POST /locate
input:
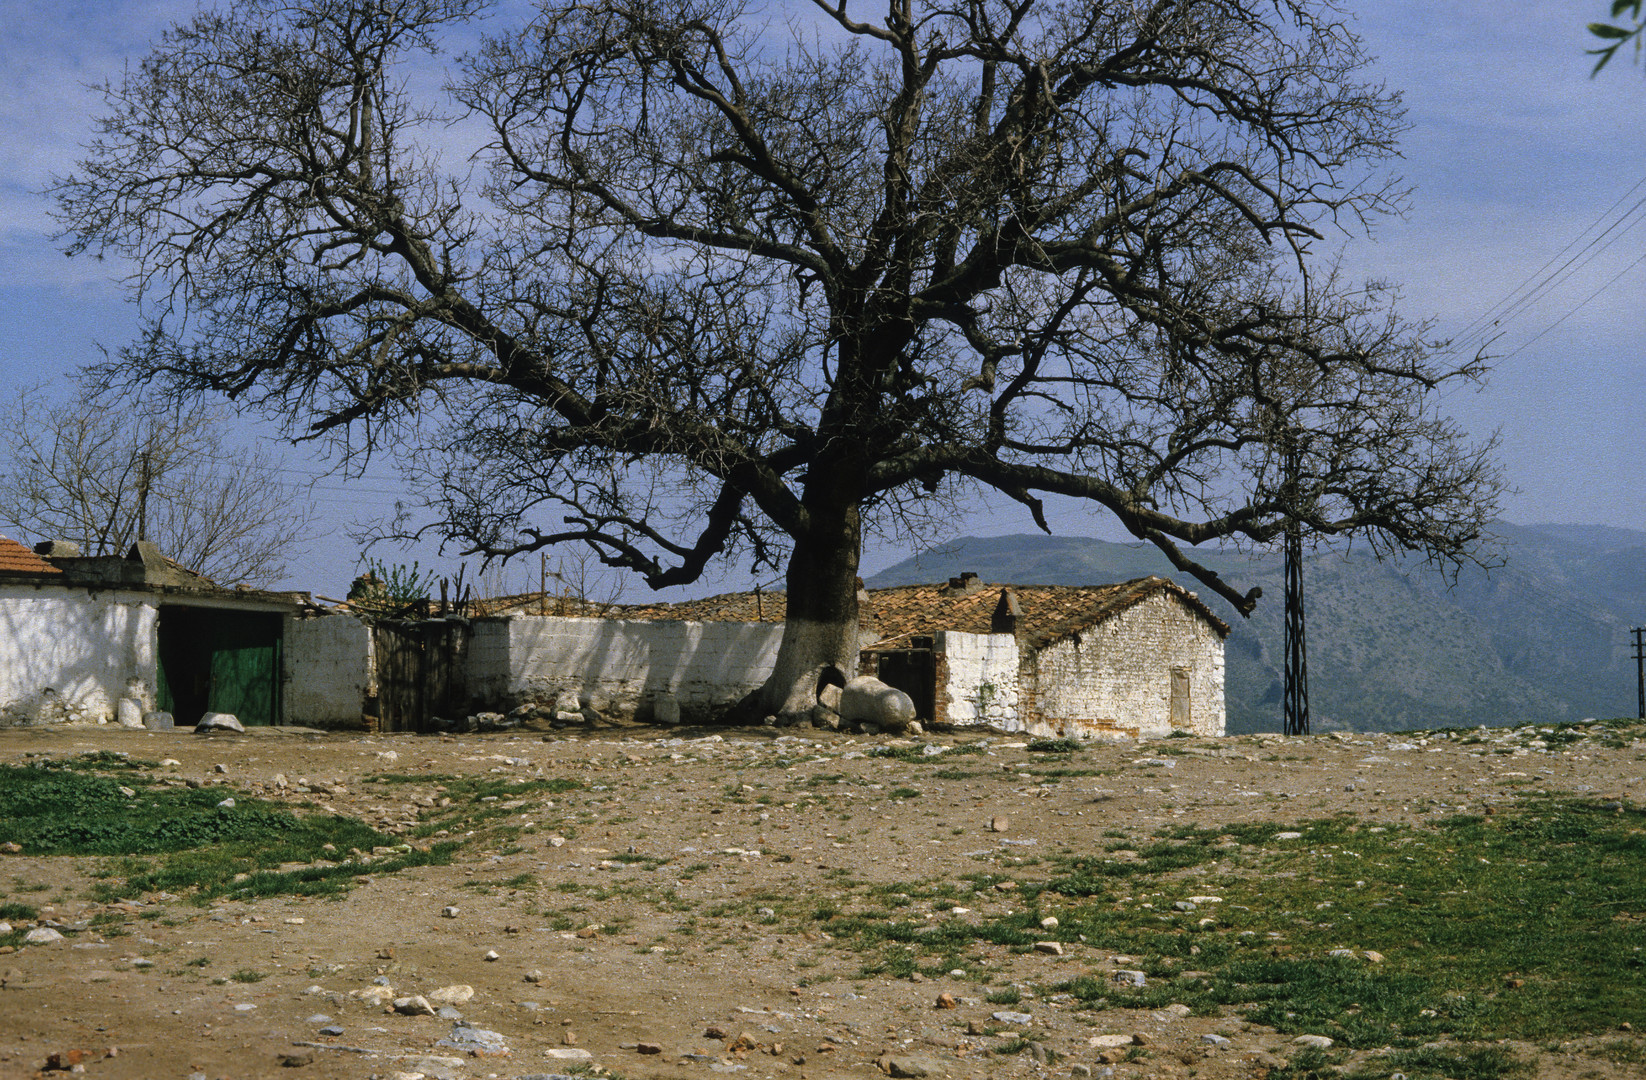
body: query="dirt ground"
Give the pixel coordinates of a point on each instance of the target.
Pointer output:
(629, 918)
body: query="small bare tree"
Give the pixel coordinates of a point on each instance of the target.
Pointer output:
(714, 293)
(104, 475)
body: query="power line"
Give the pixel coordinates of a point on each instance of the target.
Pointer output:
(1530, 289)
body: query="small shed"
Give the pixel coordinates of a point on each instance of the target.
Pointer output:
(81, 634)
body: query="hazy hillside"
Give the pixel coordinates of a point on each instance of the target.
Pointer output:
(1391, 646)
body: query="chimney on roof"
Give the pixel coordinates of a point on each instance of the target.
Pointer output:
(1007, 614)
(956, 584)
(57, 549)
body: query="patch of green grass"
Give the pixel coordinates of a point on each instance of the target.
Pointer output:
(1524, 925)
(1055, 746)
(11, 909)
(248, 975)
(918, 755)
(1445, 1063)
(903, 793)
(1011, 995)
(186, 841)
(1622, 1051)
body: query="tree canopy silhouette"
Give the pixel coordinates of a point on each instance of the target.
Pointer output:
(704, 283)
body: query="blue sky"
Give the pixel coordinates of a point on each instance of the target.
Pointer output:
(1514, 153)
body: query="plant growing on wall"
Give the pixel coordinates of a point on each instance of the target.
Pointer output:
(392, 592)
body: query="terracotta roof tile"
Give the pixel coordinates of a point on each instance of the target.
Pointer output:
(17, 559)
(1050, 612)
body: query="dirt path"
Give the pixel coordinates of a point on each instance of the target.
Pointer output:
(663, 917)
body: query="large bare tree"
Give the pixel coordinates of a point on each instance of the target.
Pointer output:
(711, 283)
(103, 474)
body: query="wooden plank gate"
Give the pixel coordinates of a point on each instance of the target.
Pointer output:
(420, 673)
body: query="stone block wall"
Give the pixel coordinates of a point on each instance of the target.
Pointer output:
(1115, 678)
(618, 666)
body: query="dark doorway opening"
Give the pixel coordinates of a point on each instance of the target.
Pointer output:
(913, 671)
(219, 660)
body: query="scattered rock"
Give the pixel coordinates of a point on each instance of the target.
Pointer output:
(534, 976)
(217, 722)
(1373, 956)
(1049, 923)
(1016, 1019)
(159, 721)
(477, 1041)
(491, 954)
(42, 935)
(945, 1001)
(459, 994)
(1317, 1042)
(568, 1053)
(415, 1005)
(999, 823)
(1108, 1042)
(449, 912)
(375, 996)
(1050, 948)
(1131, 978)
(648, 1048)
(296, 1060)
(1212, 1039)
(908, 1065)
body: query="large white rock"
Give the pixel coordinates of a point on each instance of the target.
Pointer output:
(129, 712)
(219, 721)
(866, 698)
(451, 995)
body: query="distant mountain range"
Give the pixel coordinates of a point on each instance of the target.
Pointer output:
(1391, 645)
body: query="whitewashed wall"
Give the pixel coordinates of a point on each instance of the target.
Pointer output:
(71, 655)
(329, 670)
(1116, 676)
(979, 675)
(617, 665)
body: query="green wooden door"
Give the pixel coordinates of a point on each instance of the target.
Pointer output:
(217, 660)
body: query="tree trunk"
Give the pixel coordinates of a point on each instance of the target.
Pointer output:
(820, 629)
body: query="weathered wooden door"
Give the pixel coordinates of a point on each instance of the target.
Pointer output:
(420, 673)
(1181, 711)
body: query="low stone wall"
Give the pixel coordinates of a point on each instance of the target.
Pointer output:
(329, 671)
(616, 666)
